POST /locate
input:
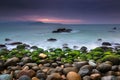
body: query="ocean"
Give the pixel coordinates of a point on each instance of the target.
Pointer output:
(36, 34)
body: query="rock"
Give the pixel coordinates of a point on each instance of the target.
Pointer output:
(54, 76)
(26, 59)
(114, 28)
(31, 64)
(54, 65)
(83, 49)
(25, 68)
(86, 78)
(92, 63)
(35, 68)
(42, 55)
(15, 43)
(29, 73)
(99, 39)
(7, 39)
(12, 61)
(117, 73)
(73, 76)
(35, 78)
(68, 65)
(109, 78)
(60, 30)
(1, 64)
(106, 44)
(51, 39)
(95, 71)
(24, 77)
(104, 67)
(114, 68)
(80, 64)
(118, 77)
(34, 47)
(95, 76)
(51, 70)
(2, 46)
(41, 75)
(14, 67)
(46, 65)
(68, 69)
(110, 73)
(85, 70)
(5, 77)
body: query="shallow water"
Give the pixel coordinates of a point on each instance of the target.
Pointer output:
(82, 35)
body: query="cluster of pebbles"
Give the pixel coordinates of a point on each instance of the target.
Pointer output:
(24, 69)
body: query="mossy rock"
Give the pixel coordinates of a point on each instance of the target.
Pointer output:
(115, 59)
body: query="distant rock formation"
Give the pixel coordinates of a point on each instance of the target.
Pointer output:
(60, 30)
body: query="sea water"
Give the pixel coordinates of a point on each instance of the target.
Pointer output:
(81, 34)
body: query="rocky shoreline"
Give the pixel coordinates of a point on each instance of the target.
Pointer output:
(20, 63)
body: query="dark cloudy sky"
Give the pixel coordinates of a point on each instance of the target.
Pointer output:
(63, 11)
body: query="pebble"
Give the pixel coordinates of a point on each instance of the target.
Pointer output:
(24, 77)
(73, 76)
(5, 77)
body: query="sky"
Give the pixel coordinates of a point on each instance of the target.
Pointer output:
(61, 11)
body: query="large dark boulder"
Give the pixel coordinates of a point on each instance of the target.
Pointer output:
(2, 46)
(60, 30)
(106, 44)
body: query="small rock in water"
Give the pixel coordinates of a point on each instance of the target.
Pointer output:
(73, 76)
(24, 77)
(5, 77)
